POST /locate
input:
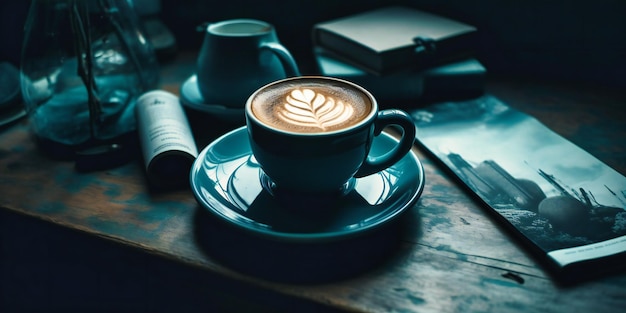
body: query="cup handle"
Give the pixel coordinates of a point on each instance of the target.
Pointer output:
(387, 118)
(286, 59)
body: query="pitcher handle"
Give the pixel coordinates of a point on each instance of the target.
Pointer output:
(286, 59)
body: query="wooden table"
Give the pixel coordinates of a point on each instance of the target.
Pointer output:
(454, 258)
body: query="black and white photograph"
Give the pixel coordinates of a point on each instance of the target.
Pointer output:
(556, 194)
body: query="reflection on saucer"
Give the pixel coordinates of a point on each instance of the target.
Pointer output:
(191, 98)
(227, 181)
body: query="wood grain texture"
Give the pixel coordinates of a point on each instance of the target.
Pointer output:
(453, 255)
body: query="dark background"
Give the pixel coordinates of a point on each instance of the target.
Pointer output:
(43, 265)
(577, 40)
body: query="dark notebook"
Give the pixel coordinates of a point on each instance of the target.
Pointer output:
(568, 205)
(393, 38)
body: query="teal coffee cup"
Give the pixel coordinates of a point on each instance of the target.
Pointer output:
(312, 134)
(237, 57)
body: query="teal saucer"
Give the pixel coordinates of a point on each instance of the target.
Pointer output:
(227, 182)
(190, 97)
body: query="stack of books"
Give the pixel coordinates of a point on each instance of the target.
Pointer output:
(401, 55)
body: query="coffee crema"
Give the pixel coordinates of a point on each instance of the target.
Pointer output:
(311, 106)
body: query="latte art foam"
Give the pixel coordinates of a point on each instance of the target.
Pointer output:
(311, 106)
(308, 108)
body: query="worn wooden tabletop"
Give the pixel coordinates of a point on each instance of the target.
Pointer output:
(452, 257)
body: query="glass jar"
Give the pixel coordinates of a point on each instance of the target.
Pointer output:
(84, 63)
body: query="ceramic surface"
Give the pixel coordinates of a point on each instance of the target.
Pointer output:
(228, 182)
(302, 151)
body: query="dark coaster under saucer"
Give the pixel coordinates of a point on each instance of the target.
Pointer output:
(242, 224)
